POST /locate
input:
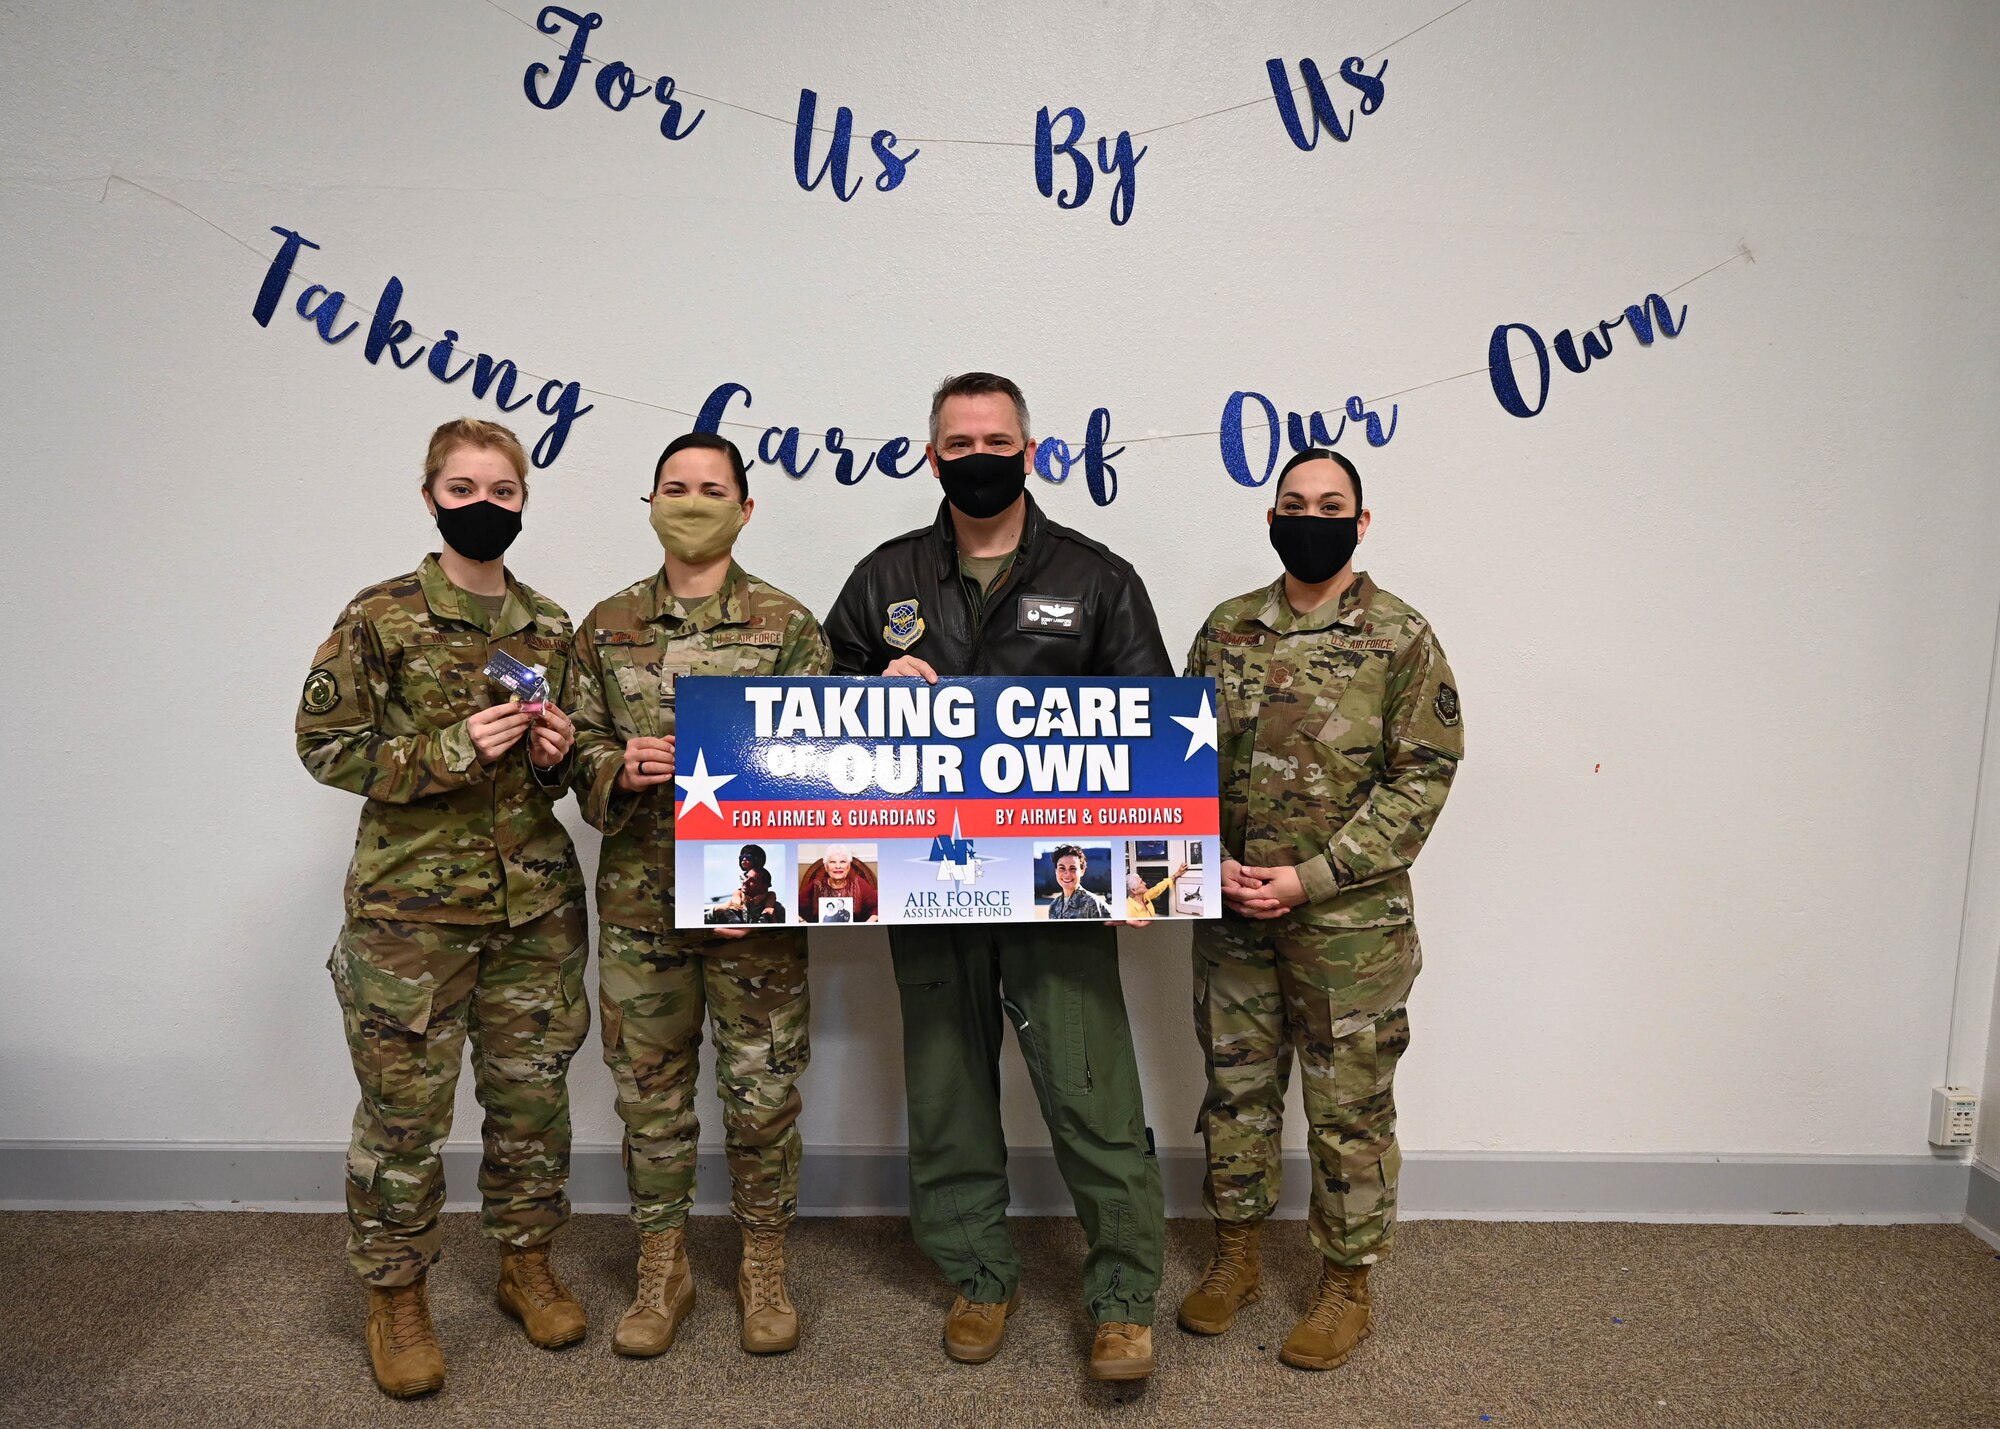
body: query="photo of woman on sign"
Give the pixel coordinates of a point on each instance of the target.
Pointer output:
(1161, 866)
(754, 902)
(743, 889)
(839, 885)
(1074, 867)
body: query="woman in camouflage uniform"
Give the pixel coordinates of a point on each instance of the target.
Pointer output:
(699, 614)
(1339, 732)
(465, 912)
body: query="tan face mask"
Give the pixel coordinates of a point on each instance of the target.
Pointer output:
(696, 529)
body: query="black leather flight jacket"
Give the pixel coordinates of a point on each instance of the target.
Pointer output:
(1067, 606)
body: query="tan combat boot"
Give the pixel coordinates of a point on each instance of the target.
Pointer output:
(401, 1341)
(666, 1294)
(973, 1329)
(770, 1324)
(530, 1292)
(1231, 1281)
(1336, 1323)
(1122, 1352)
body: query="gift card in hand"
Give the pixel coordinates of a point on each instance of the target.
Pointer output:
(522, 681)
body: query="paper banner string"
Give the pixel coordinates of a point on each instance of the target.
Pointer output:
(1742, 254)
(683, 91)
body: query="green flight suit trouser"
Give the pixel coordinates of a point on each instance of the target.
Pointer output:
(1058, 984)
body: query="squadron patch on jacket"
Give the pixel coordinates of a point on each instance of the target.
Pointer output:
(322, 693)
(1446, 705)
(905, 627)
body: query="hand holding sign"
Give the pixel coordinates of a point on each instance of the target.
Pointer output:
(911, 665)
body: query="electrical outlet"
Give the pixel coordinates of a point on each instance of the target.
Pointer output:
(1954, 1114)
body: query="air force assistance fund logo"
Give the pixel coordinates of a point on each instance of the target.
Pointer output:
(959, 866)
(905, 627)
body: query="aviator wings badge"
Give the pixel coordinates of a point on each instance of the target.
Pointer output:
(905, 627)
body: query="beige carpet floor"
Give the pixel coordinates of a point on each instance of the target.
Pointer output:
(243, 1319)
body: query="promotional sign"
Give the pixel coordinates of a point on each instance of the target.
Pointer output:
(990, 799)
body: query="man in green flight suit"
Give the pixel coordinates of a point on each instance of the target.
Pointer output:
(1340, 733)
(699, 614)
(993, 587)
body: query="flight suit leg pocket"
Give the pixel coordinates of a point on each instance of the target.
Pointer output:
(926, 965)
(936, 1060)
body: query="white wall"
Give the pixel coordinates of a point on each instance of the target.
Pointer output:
(1723, 614)
(1980, 939)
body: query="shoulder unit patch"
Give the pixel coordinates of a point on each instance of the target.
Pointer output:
(322, 693)
(905, 627)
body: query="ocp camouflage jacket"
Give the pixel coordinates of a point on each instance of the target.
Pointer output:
(628, 653)
(443, 838)
(1340, 732)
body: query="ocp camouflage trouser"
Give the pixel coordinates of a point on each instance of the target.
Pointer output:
(409, 994)
(1263, 989)
(651, 990)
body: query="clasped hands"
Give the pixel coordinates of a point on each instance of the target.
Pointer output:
(1260, 892)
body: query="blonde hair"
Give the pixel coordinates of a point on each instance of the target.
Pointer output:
(473, 432)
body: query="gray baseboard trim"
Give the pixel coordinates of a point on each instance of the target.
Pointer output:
(133, 1175)
(1982, 1203)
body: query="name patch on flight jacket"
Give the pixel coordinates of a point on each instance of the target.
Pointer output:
(1051, 615)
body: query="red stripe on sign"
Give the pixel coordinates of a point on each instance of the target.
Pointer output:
(976, 818)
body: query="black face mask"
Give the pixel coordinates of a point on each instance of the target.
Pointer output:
(478, 530)
(985, 483)
(1314, 548)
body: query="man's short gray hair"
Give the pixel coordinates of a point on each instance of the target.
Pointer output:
(978, 384)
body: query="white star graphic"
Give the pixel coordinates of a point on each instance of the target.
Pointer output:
(701, 786)
(1200, 728)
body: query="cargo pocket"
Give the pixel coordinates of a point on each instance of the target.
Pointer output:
(1365, 1052)
(569, 1019)
(791, 1040)
(388, 1022)
(361, 1168)
(617, 1056)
